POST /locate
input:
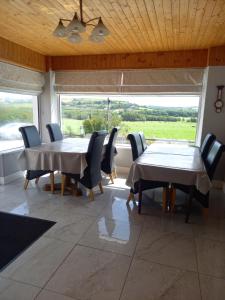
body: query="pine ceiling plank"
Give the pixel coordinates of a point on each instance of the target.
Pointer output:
(154, 22)
(206, 19)
(136, 25)
(192, 9)
(148, 24)
(176, 22)
(136, 12)
(184, 9)
(213, 34)
(158, 7)
(128, 36)
(167, 12)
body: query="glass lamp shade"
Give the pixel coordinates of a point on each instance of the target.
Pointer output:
(100, 29)
(75, 25)
(96, 38)
(60, 30)
(74, 38)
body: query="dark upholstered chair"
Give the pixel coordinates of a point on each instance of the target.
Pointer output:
(136, 145)
(92, 173)
(55, 132)
(206, 145)
(143, 141)
(107, 165)
(211, 162)
(142, 185)
(31, 138)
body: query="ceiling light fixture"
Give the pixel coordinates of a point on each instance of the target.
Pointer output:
(78, 25)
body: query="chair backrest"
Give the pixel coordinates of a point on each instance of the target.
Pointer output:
(94, 154)
(113, 136)
(143, 141)
(136, 144)
(213, 157)
(30, 135)
(110, 151)
(54, 131)
(206, 144)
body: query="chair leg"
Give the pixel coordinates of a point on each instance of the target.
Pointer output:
(139, 201)
(164, 196)
(36, 180)
(63, 181)
(205, 212)
(52, 182)
(91, 194)
(100, 187)
(26, 184)
(188, 208)
(172, 199)
(130, 197)
(111, 178)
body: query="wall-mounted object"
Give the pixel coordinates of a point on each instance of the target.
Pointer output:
(219, 103)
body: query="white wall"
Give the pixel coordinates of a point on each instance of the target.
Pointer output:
(212, 121)
(48, 108)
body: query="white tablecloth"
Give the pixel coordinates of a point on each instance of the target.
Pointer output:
(67, 156)
(176, 149)
(183, 168)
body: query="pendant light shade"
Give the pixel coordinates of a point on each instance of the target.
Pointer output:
(74, 38)
(76, 25)
(96, 38)
(100, 29)
(60, 30)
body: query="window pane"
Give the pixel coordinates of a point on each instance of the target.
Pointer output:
(159, 117)
(15, 110)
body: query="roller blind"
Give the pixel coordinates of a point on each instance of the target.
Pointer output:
(88, 81)
(17, 79)
(150, 81)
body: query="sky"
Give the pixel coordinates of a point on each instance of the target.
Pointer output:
(165, 101)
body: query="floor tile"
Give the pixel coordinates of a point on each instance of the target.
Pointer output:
(169, 223)
(213, 229)
(112, 235)
(211, 257)
(47, 295)
(151, 281)
(212, 288)
(118, 209)
(37, 263)
(169, 248)
(12, 290)
(91, 274)
(69, 227)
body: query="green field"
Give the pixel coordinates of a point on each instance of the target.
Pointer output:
(164, 130)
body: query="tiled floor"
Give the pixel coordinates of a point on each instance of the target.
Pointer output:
(104, 250)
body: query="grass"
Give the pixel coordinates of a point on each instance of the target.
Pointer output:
(164, 130)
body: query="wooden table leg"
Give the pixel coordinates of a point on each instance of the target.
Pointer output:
(172, 199)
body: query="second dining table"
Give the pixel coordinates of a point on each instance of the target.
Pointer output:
(172, 163)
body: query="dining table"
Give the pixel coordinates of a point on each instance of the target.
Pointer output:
(67, 155)
(172, 163)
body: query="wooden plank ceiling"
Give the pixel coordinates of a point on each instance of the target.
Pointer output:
(135, 25)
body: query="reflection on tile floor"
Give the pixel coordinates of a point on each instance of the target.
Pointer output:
(103, 249)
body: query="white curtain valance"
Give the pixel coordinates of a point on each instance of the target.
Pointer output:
(17, 79)
(151, 81)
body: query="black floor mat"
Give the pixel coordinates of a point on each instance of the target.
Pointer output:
(17, 233)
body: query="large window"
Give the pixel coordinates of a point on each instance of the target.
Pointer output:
(15, 110)
(159, 117)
